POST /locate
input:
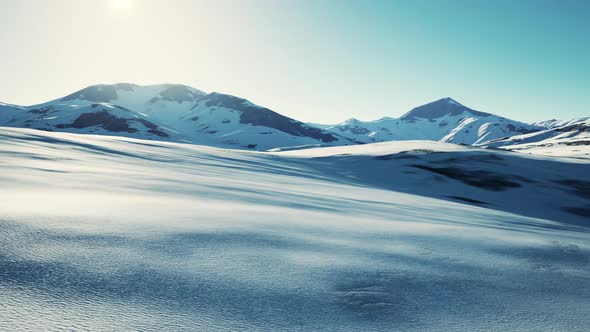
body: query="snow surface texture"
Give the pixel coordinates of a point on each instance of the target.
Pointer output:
(111, 233)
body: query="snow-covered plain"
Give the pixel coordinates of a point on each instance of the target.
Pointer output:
(110, 233)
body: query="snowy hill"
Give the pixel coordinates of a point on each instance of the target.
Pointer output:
(570, 138)
(555, 189)
(170, 112)
(121, 234)
(444, 120)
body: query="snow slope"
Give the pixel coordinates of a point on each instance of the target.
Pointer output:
(555, 123)
(549, 188)
(109, 233)
(177, 112)
(444, 120)
(570, 138)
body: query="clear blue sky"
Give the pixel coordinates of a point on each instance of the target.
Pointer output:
(314, 60)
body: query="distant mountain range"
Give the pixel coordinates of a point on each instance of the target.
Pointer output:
(179, 113)
(444, 120)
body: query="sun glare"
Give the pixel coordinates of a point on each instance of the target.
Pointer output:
(121, 4)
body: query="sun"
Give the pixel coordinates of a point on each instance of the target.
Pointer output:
(121, 4)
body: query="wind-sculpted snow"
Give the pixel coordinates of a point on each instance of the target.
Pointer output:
(108, 233)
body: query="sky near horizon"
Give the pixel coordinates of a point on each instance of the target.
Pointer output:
(314, 60)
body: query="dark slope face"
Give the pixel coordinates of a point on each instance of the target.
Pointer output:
(521, 129)
(260, 116)
(357, 130)
(439, 108)
(103, 117)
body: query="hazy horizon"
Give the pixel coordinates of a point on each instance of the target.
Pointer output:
(316, 61)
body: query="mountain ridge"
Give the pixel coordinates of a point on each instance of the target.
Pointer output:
(180, 113)
(445, 120)
(174, 112)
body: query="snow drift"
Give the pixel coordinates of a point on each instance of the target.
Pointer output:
(111, 233)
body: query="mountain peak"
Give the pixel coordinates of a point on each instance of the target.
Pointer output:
(351, 121)
(106, 93)
(450, 100)
(440, 108)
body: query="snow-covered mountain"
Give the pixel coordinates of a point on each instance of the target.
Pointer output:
(565, 138)
(179, 113)
(170, 112)
(444, 120)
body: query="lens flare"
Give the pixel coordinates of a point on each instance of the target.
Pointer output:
(121, 4)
